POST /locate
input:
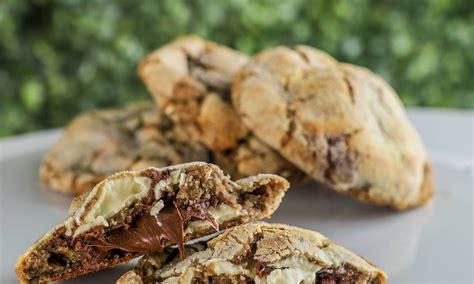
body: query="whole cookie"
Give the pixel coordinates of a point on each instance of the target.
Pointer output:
(340, 123)
(99, 143)
(190, 80)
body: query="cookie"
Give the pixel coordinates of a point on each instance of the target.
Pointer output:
(190, 80)
(341, 124)
(132, 213)
(258, 253)
(99, 143)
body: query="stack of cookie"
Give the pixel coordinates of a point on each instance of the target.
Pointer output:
(291, 114)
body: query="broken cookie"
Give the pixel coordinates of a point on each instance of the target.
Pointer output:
(190, 80)
(341, 124)
(133, 213)
(258, 253)
(99, 143)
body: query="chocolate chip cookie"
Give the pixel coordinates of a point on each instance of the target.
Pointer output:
(341, 124)
(190, 80)
(99, 143)
(132, 213)
(258, 253)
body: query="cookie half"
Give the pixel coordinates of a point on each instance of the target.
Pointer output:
(258, 253)
(138, 212)
(99, 143)
(341, 124)
(190, 80)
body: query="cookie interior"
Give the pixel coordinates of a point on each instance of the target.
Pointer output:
(134, 213)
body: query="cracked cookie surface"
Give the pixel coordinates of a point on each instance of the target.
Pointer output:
(258, 253)
(133, 213)
(99, 143)
(341, 124)
(190, 80)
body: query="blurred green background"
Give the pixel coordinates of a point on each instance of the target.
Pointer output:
(58, 58)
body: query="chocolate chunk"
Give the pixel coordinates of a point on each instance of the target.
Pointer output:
(342, 274)
(261, 269)
(155, 175)
(340, 159)
(249, 253)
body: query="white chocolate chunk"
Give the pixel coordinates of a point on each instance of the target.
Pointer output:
(221, 213)
(114, 195)
(218, 266)
(293, 270)
(157, 208)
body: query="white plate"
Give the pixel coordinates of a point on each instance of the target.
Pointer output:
(432, 244)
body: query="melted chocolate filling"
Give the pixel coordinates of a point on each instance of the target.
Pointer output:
(147, 232)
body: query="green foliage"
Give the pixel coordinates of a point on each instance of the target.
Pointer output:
(58, 58)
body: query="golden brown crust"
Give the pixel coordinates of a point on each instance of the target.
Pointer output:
(341, 124)
(428, 186)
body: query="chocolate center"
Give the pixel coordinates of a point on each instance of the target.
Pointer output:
(146, 233)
